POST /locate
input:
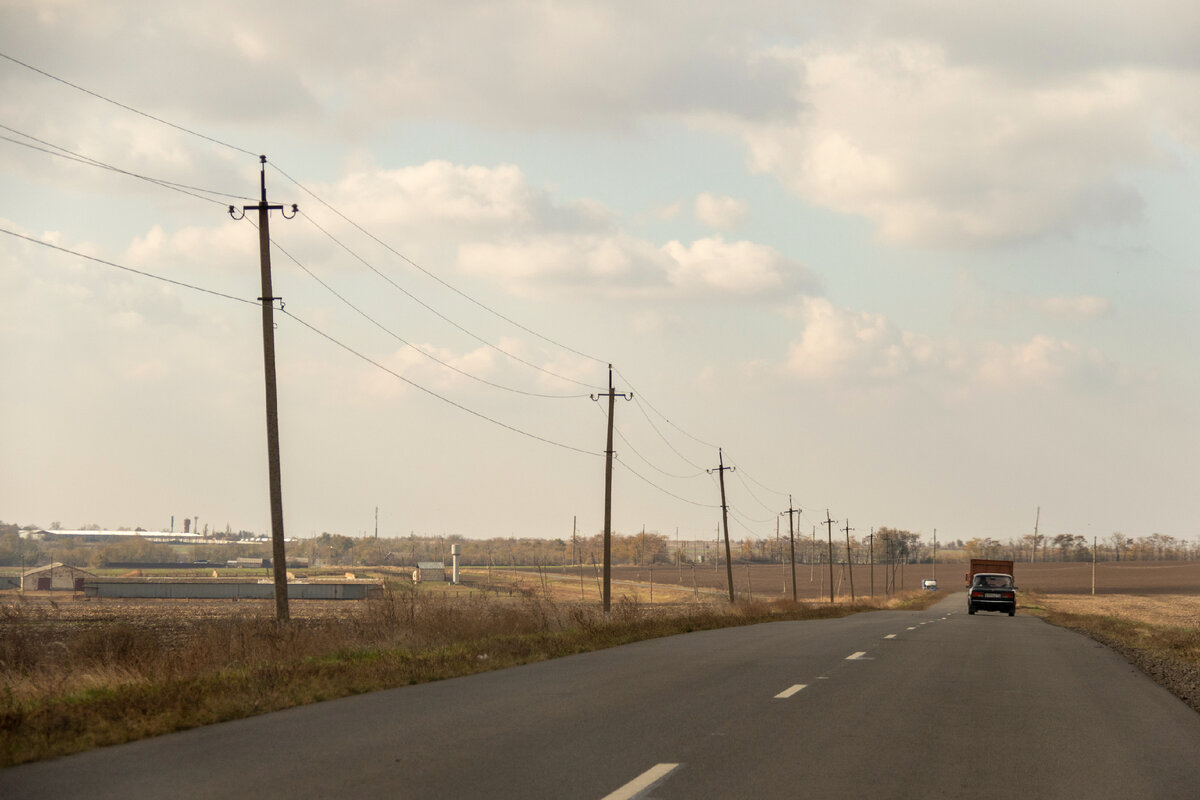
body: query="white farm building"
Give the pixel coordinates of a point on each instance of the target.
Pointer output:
(54, 577)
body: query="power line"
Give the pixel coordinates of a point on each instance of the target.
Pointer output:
(648, 462)
(651, 483)
(199, 194)
(437, 278)
(312, 328)
(750, 492)
(70, 155)
(129, 269)
(407, 343)
(434, 394)
(437, 313)
(664, 438)
(127, 108)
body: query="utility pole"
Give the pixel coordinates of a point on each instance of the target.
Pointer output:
(1093, 565)
(779, 549)
(279, 558)
(829, 527)
(849, 563)
(935, 555)
(608, 459)
(791, 511)
(376, 522)
(871, 557)
(1036, 520)
(812, 556)
(720, 470)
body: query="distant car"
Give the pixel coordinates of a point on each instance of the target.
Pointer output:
(929, 584)
(992, 591)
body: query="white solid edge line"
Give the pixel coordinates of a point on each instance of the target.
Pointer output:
(786, 693)
(856, 656)
(642, 782)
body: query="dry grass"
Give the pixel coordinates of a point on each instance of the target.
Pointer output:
(87, 674)
(1182, 610)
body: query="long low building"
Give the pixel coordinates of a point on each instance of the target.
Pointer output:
(212, 589)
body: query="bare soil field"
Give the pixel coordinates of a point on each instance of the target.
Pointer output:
(1112, 577)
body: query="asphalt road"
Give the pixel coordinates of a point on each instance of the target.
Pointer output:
(893, 704)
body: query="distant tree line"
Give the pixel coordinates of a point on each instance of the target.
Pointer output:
(882, 546)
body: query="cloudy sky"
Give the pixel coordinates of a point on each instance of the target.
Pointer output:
(926, 264)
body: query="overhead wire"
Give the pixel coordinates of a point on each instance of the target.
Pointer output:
(636, 452)
(440, 315)
(407, 343)
(660, 414)
(305, 324)
(436, 277)
(432, 393)
(667, 492)
(115, 265)
(131, 109)
(59, 151)
(200, 193)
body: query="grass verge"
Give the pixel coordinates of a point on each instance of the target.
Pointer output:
(68, 685)
(1168, 654)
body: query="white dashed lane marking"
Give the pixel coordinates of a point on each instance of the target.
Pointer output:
(647, 780)
(890, 636)
(786, 693)
(856, 656)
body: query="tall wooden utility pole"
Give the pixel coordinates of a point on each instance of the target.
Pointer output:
(278, 556)
(812, 556)
(849, 563)
(1036, 520)
(608, 459)
(792, 510)
(829, 527)
(720, 470)
(871, 556)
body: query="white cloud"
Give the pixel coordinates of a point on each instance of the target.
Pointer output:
(934, 151)
(1080, 307)
(719, 211)
(619, 265)
(836, 342)
(467, 198)
(1041, 361)
(733, 268)
(842, 345)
